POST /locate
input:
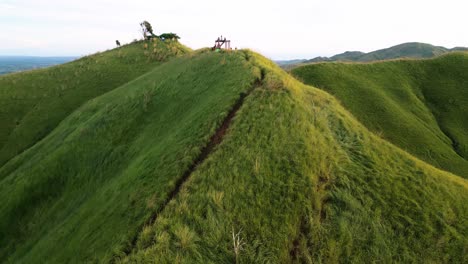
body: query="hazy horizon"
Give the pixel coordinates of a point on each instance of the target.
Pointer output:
(294, 30)
(287, 59)
(32, 56)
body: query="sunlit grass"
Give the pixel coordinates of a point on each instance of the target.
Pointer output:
(296, 178)
(419, 105)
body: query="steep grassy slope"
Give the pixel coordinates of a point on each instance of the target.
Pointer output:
(414, 50)
(169, 167)
(421, 106)
(34, 102)
(297, 179)
(85, 189)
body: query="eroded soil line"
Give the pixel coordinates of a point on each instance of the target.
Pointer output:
(215, 140)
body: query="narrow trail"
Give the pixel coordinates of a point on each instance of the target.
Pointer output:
(295, 251)
(214, 141)
(322, 187)
(304, 229)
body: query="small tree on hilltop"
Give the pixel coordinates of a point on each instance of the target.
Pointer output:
(146, 28)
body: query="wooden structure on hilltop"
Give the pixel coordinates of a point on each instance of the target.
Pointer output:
(220, 42)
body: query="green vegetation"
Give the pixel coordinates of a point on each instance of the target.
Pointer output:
(299, 180)
(34, 102)
(172, 36)
(419, 105)
(93, 181)
(148, 34)
(405, 50)
(220, 158)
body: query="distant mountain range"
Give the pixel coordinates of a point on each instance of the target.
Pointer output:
(10, 64)
(405, 50)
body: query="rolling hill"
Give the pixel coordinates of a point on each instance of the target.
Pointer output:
(406, 50)
(110, 163)
(419, 105)
(221, 158)
(34, 102)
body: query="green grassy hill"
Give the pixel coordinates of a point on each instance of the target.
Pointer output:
(406, 50)
(93, 181)
(420, 105)
(211, 147)
(34, 102)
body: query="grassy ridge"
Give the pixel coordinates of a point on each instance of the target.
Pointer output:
(298, 179)
(421, 106)
(96, 178)
(34, 102)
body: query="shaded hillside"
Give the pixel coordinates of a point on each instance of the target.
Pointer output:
(82, 192)
(34, 102)
(421, 106)
(406, 50)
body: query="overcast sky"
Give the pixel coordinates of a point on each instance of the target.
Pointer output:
(278, 29)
